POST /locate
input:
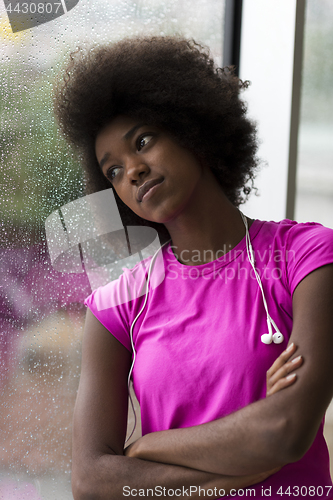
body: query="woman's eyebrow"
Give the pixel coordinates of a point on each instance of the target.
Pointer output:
(104, 159)
(131, 132)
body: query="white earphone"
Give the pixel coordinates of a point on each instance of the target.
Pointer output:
(266, 338)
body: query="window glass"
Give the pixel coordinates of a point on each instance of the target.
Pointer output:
(314, 194)
(314, 197)
(41, 308)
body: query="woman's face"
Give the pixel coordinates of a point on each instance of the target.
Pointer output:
(152, 174)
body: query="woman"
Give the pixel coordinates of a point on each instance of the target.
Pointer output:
(156, 121)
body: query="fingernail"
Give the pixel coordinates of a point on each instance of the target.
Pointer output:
(290, 347)
(290, 377)
(295, 360)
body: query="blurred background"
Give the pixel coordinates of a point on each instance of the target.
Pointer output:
(314, 186)
(41, 310)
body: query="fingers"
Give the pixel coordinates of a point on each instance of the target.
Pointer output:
(258, 478)
(284, 371)
(128, 451)
(281, 384)
(279, 376)
(265, 475)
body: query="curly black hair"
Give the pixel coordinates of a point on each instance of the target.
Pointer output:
(174, 84)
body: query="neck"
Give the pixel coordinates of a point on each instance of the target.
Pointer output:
(210, 227)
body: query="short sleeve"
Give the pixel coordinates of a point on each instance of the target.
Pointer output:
(116, 304)
(103, 304)
(309, 246)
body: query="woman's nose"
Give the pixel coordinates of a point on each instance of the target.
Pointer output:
(136, 169)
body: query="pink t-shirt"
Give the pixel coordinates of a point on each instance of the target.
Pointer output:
(198, 339)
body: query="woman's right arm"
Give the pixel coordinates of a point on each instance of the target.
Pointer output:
(100, 469)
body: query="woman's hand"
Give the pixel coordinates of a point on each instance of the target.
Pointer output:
(129, 451)
(240, 482)
(279, 375)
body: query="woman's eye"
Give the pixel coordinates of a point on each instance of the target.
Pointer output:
(111, 173)
(143, 141)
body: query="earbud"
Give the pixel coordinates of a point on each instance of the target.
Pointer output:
(278, 338)
(268, 338)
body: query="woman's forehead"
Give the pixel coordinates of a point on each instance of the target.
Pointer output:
(118, 124)
(118, 131)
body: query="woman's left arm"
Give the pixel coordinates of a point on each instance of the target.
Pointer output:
(274, 431)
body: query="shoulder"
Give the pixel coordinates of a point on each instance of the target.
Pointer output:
(117, 303)
(303, 247)
(291, 234)
(128, 287)
(132, 283)
(112, 304)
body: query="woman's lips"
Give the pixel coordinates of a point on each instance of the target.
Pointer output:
(148, 188)
(151, 191)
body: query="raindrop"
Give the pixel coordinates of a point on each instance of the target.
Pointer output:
(40, 174)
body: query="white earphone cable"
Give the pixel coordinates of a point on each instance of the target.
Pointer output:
(250, 254)
(132, 342)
